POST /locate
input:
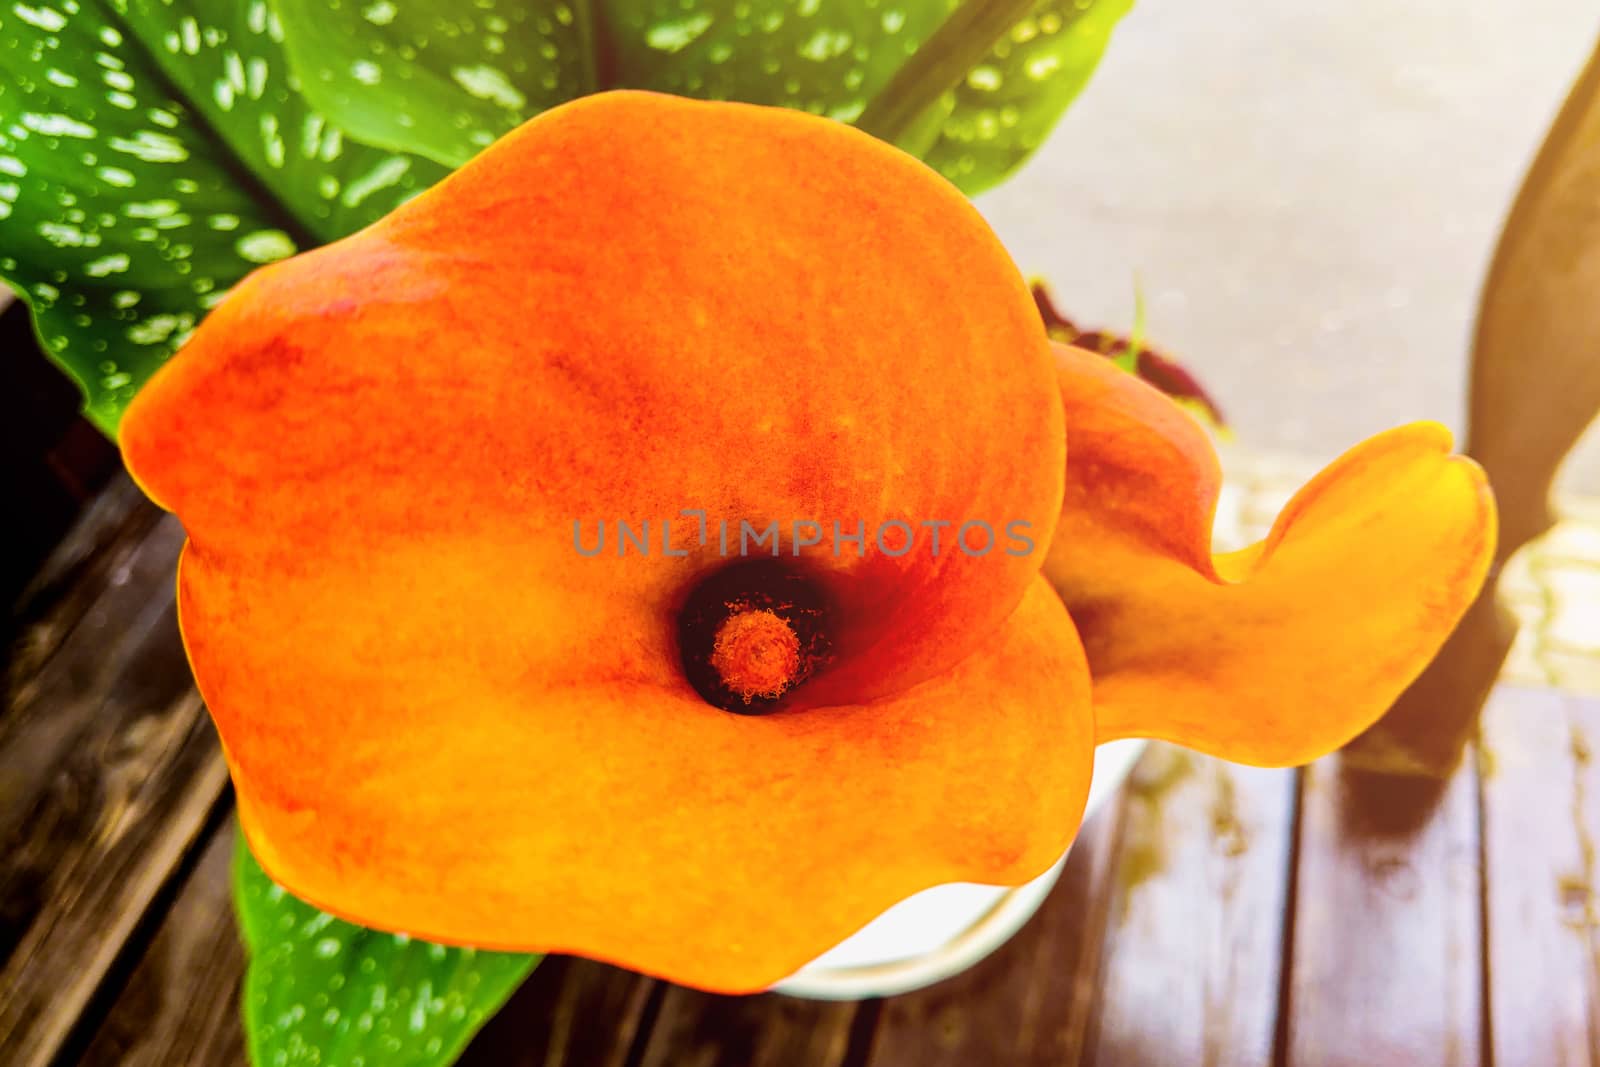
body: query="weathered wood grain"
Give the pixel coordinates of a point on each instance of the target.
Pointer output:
(103, 521)
(695, 1029)
(123, 651)
(93, 857)
(180, 1005)
(108, 771)
(1387, 947)
(1541, 811)
(569, 1013)
(1032, 1002)
(74, 576)
(1194, 949)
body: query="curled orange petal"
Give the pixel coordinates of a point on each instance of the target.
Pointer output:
(1282, 652)
(444, 714)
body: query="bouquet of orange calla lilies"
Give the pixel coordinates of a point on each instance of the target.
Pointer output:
(443, 717)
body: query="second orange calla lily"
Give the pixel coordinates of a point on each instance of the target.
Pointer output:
(447, 712)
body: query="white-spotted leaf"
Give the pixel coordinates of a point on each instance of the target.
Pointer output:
(829, 57)
(320, 991)
(987, 126)
(441, 78)
(151, 154)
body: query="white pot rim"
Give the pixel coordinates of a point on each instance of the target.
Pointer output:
(992, 929)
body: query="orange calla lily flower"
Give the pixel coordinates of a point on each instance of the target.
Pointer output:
(447, 712)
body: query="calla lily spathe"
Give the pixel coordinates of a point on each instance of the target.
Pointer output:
(441, 719)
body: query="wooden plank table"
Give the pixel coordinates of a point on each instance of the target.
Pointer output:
(1212, 915)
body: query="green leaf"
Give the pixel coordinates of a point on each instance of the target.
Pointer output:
(971, 87)
(442, 79)
(152, 154)
(434, 77)
(829, 57)
(1003, 109)
(321, 991)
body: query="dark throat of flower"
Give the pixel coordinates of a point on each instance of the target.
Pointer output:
(750, 633)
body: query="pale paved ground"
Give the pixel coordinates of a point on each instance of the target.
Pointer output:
(1308, 193)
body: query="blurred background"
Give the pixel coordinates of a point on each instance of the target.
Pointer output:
(1308, 196)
